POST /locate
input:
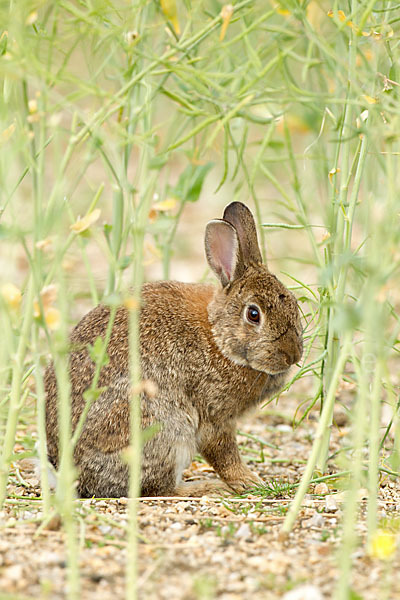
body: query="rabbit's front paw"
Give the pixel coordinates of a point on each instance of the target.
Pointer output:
(245, 482)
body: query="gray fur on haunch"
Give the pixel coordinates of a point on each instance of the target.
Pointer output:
(211, 358)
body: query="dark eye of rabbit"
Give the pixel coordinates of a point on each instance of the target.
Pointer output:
(253, 314)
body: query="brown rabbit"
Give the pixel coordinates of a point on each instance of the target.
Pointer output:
(212, 353)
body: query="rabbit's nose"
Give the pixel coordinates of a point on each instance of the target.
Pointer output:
(298, 351)
(293, 348)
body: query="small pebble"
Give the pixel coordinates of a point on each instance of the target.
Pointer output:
(321, 489)
(49, 558)
(243, 532)
(304, 592)
(13, 573)
(284, 427)
(317, 520)
(105, 529)
(54, 524)
(331, 504)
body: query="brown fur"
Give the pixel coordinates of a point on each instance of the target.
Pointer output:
(209, 364)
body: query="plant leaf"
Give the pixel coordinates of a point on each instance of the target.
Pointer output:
(190, 183)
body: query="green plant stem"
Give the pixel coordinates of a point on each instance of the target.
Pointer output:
(342, 240)
(339, 294)
(116, 237)
(319, 439)
(136, 379)
(41, 425)
(373, 462)
(168, 244)
(301, 207)
(141, 210)
(15, 394)
(95, 380)
(349, 536)
(65, 492)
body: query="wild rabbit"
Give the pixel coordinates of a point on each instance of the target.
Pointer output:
(212, 355)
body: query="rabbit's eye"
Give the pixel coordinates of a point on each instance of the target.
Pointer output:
(253, 314)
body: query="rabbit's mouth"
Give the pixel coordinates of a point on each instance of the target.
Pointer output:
(274, 364)
(277, 361)
(271, 369)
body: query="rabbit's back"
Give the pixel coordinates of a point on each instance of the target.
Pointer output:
(175, 347)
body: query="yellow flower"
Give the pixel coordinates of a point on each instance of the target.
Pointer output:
(48, 296)
(52, 318)
(295, 123)
(383, 545)
(369, 99)
(281, 11)
(165, 205)
(31, 18)
(11, 295)
(226, 14)
(367, 54)
(83, 224)
(44, 245)
(151, 253)
(170, 12)
(7, 133)
(341, 16)
(32, 106)
(131, 303)
(333, 172)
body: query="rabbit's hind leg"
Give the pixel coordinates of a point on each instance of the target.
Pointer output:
(106, 475)
(103, 475)
(102, 470)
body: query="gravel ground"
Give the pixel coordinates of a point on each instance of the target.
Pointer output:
(204, 548)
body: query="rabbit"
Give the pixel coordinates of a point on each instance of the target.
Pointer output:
(211, 353)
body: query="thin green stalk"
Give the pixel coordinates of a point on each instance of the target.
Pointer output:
(145, 193)
(226, 118)
(373, 462)
(349, 535)
(14, 405)
(333, 335)
(116, 236)
(38, 135)
(168, 244)
(319, 439)
(392, 170)
(301, 207)
(91, 393)
(135, 452)
(41, 425)
(341, 242)
(65, 492)
(136, 378)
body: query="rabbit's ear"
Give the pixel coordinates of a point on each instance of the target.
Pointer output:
(238, 215)
(223, 251)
